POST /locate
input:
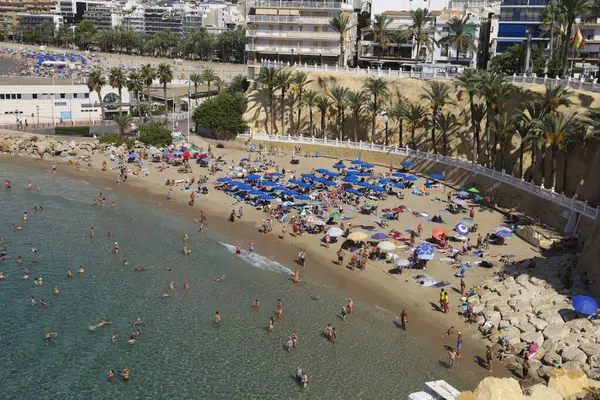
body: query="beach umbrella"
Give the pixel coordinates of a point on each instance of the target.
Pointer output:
(295, 181)
(377, 188)
(379, 236)
(269, 184)
(353, 191)
(336, 215)
(187, 155)
(253, 177)
(356, 162)
(290, 192)
(358, 236)
(334, 232)
(367, 166)
(363, 184)
(308, 176)
(312, 218)
(460, 202)
(351, 178)
(411, 178)
(463, 193)
(332, 174)
(302, 197)
(407, 163)
(305, 185)
(504, 234)
(473, 190)
(437, 176)
(322, 171)
(244, 159)
(259, 163)
(224, 179)
(265, 197)
(339, 166)
(328, 183)
(133, 155)
(275, 174)
(462, 229)
(425, 251)
(279, 188)
(467, 222)
(402, 262)
(255, 192)
(352, 172)
(502, 228)
(438, 232)
(398, 175)
(400, 185)
(244, 187)
(386, 246)
(363, 174)
(585, 305)
(386, 182)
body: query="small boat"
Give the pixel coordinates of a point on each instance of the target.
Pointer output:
(437, 390)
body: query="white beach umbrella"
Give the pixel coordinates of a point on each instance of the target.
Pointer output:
(335, 232)
(386, 246)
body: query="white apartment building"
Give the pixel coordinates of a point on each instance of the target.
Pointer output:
(588, 57)
(48, 103)
(295, 32)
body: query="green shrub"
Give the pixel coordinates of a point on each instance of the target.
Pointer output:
(116, 140)
(72, 131)
(223, 114)
(155, 135)
(160, 110)
(35, 138)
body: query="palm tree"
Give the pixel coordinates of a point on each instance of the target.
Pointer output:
(504, 126)
(148, 75)
(356, 100)
(525, 135)
(338, 95)
(284, 80)
(95, 83)
(378, 89)
(267, 77)
(118, 80)
(209, 76)
(165, 75)
(342, 25)
(398, 113)
(555, 96)
(300, 81)
(469, 80)
(534, 110)
(414, 116)
(135, 86)
(219, 83)
(123, 122)
(478, 114)
(447, 124)
(196, 79)
(438, 95)
(309, 99)
(551, 15)
(421, 17)
(571, 9)
(593, 120)
(461, 35)
(382, 35)
(555, 128)
(323, 103)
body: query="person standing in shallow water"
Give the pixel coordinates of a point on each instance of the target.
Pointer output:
(217, 319)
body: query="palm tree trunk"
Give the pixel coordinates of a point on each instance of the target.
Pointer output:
(341, 60)
(311, 121)
(283, 112)
(551, 43)
(475, 133)
(101, 104)
(412, 137)
(566, 46)
(502, 146)
(355, 128)
(494, 150)
(521, 148)
(373, 120)
(554, 151)
(400, 133)
(433, 129)
(339, 114)
(445, 140)
(299, 112)
(196, 92)
(166, 101)
(271, 112)
(565, 165)
(487, 135)
(532, 162)
(323, 122)
(120, 102)
(342, 124)
(543, 164)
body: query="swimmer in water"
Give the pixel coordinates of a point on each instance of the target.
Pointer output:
(29, 186)
(114, 337)
(37, 187)
(113, 204)
(137, 322)
(220, 279)
(116, 246)
(238, 249)
(25, 217)
(56, 291)
(139, 269)
(279, 308)
(217, 319)
(70, 273)
(172, 285)
(185, 286)
(2, 277)
(34, 259)
(92, 232)
(125, 374)
(271, 323)
(131, 340)
(19, 260)
(32, 300)
(125, 262)
(48, 337)
(255, 304)
(251, 246)
(164, 295)
(138, 333)
(81, 271)
(17, 227)
(101, 323)
(111, 375)
(43, 303)
(33, 250)
(110, 234)
(25, 275)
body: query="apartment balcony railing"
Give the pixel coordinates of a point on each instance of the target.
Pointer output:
(293, 34)
(288, 19)
(572, 204)
(321, 5)
(326, 51)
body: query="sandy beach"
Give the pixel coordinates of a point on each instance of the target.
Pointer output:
(390, 292)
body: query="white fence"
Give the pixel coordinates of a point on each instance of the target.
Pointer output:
(592, 86)
(580, 207)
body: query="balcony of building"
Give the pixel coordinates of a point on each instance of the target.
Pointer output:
(292, 34)
(287, 49)
(288, 19)
(319, 5)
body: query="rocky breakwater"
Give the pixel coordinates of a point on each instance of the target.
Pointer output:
(40, 146)
(531, 303)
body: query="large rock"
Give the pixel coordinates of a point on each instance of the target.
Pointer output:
(573, 354)
(568, 382)
(594, 361)
(580, 325)
(60, 148)
(550, 345)
(551, 317)
(533, 337)
(523, 326)
(539, 324)
(468, 395)
(521, 306)
(491, 388)
(556, 332)
(545, 371)
(513, 334)
(42, 147)
(72, 144)
(575, 366)
(542, 392)
(552, 359)
(493, 317)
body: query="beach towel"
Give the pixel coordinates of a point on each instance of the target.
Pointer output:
(440, 284)
(283, 218)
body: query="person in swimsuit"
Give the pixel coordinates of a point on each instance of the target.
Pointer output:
(19, 260)
(404, 319)
(114, 337)
(131, 340)
(2, 277)
(81, 271)
(220, 279)
(238, 249)
(305, 380)
(110, 374)
(116, 246)
(279, 309)
(217, 319)
(125, 262)
(56, 291)
(25, 217)
(185, 286)
(101, 323)
(48, 337)
(449, 332)
(458, 344)
(350, 306)
(172, 285)
(344, 313)
(125, 374)
(289, 344)
(70, 273)
(43, 303)
(137, 322)
(92, 232)
(255, 304)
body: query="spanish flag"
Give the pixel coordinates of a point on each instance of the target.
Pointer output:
(577, 41)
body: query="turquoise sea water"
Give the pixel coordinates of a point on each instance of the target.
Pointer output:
(180, 354)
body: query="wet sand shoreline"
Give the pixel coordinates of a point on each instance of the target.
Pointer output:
(323, 271)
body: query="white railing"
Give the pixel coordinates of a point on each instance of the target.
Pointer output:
(293, 34)
(292, 19)
(300, 4)
(581, 207)
(332, 51)
(592, 86)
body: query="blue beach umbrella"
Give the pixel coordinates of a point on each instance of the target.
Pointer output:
(265, 197)
(425, 251)
(437, 176)
(398, 175)
(302, 197)
(379, 236)
(462, 229)
(269, 184)
(363, 174)
(244, 187)
(253, 177)
(386, 181)
(255, 192)
(363, 184)
(306, 185)
(295, 181)
(367, 166)
(351, 178)
(353, 191)
(290, 192)
(356, 162)
(322, 171)
(244, 159)
(411, 178)
(328, 183)
(308, 176)
(133, 155)
(224, 179)
(463, 193)
(275, 174)
(400, 185)
(352, 172)
(377, 189)
(259, 163)
(331, 174)
(585, 305)
(407, 163)
(235, 183)
(339, 166)
(504, 234)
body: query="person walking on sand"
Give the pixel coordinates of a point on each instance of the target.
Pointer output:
(340, 256)
(489, 355)
(459, 341)
(463, 286)
(404, 319)
(420, 230)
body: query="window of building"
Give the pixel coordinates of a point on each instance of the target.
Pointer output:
(18, 96)
(444, 50)
(63, 95)
(74, 95)
(34, 96)
(86, 95)
(1, 97)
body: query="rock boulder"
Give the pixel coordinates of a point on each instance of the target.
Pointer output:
(499, 389)
(542, 392)
(533, 337)
(573, 354)
(567, 382)
(551, 317)
(556, 332)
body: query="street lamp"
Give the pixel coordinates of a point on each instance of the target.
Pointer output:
(386, 119)
(38, 114)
